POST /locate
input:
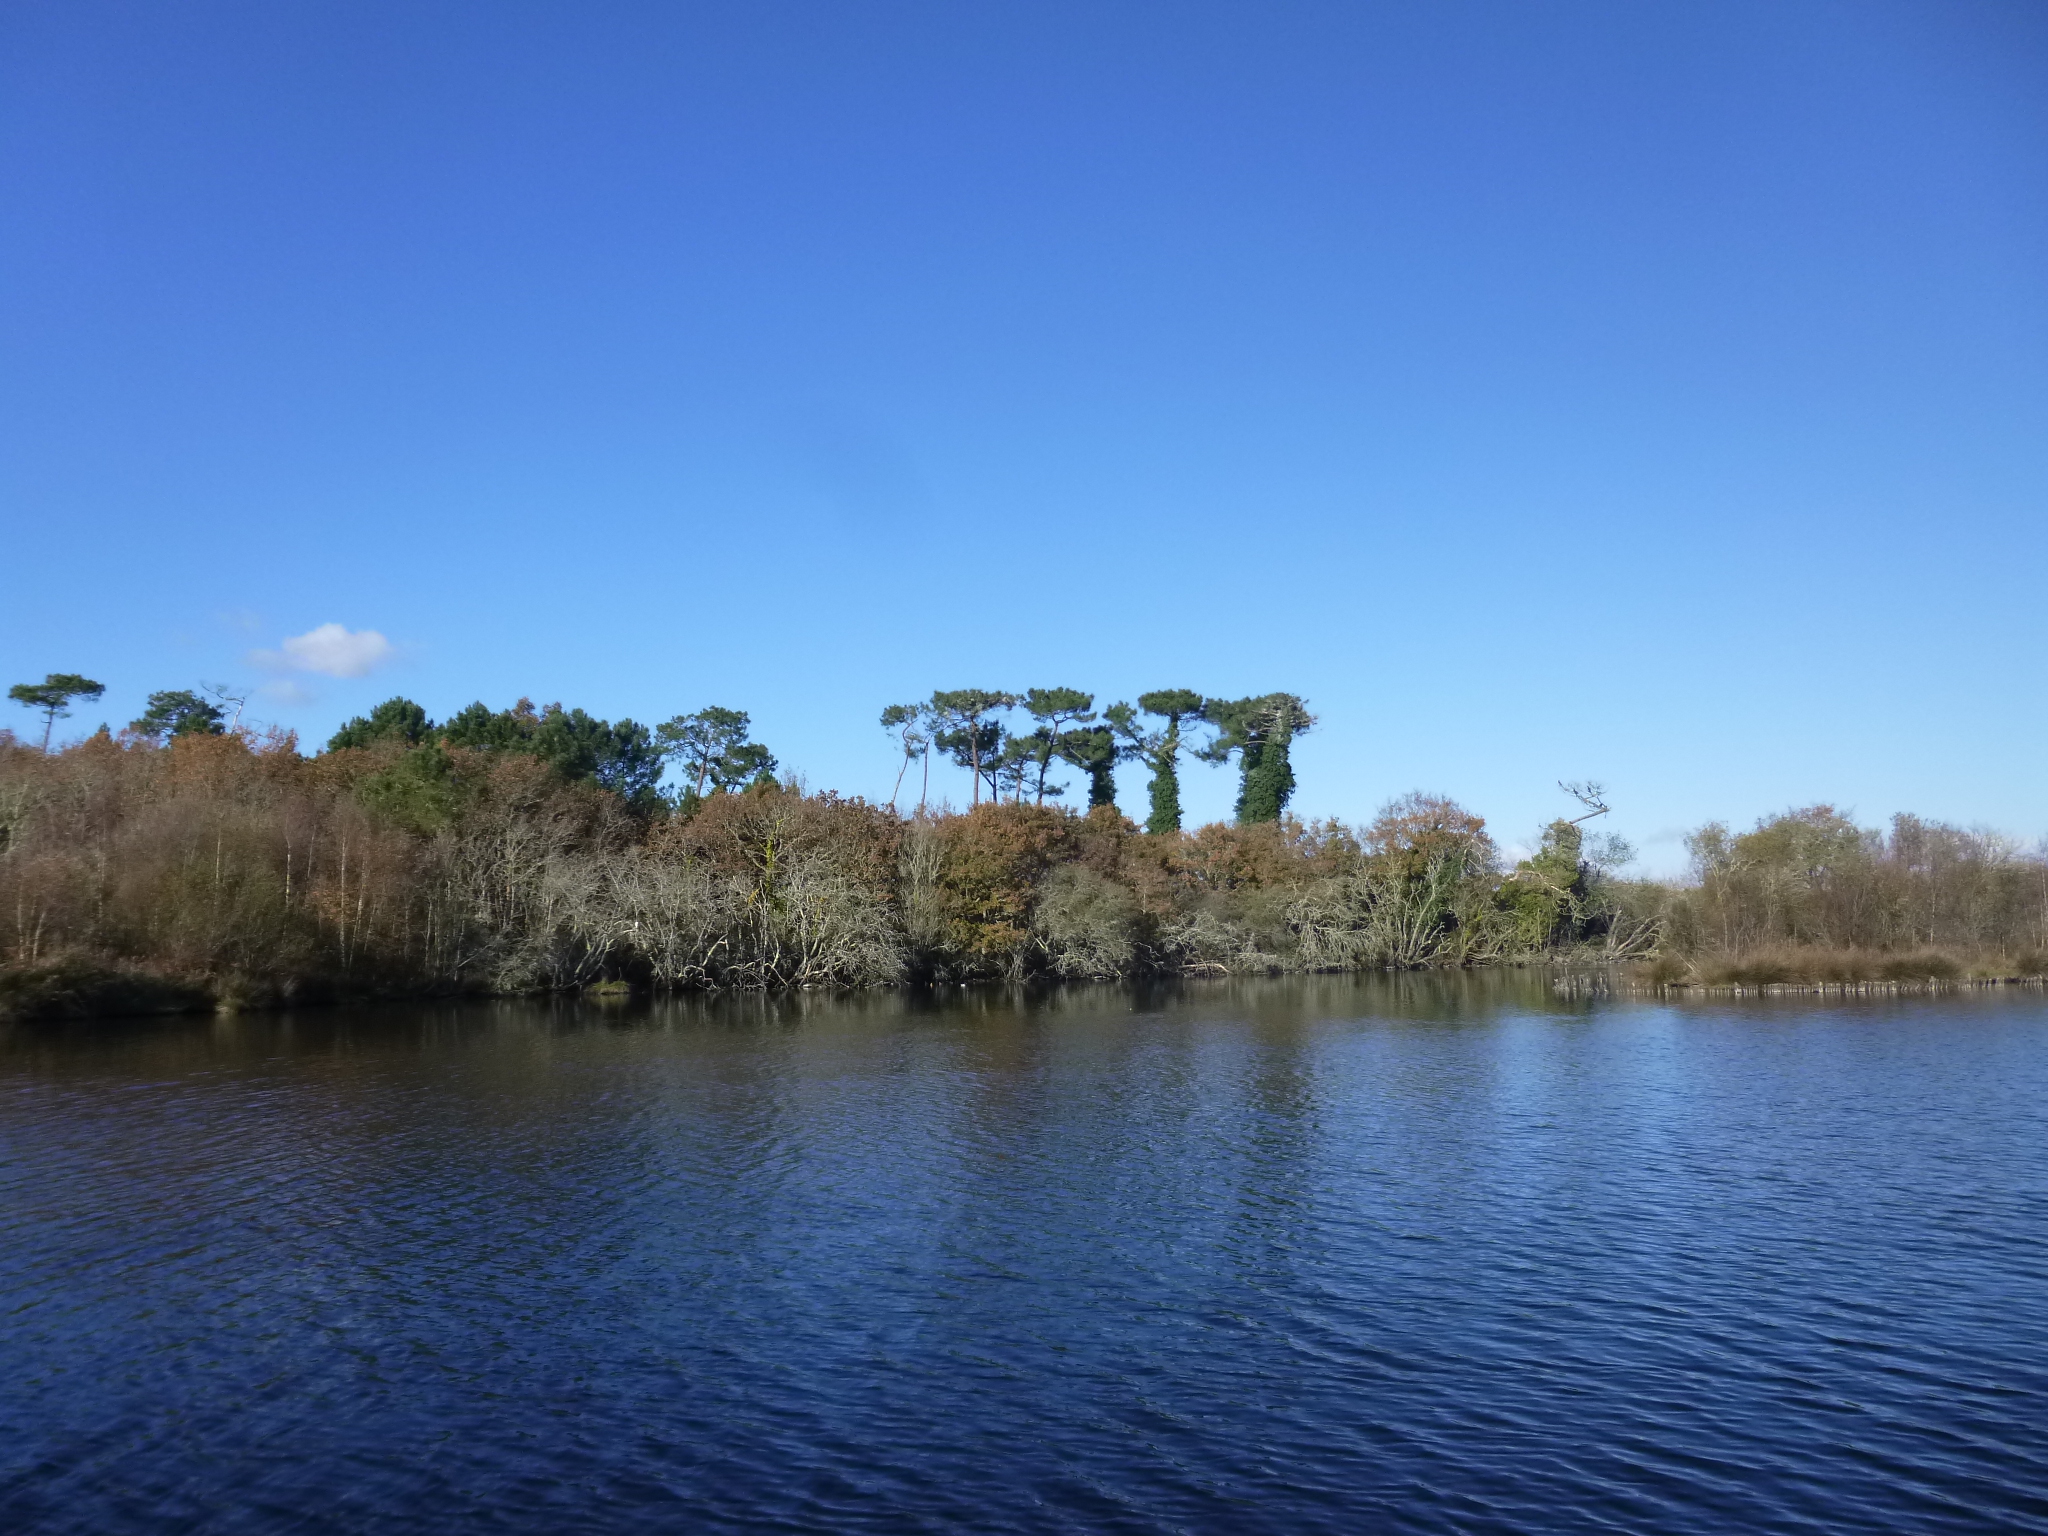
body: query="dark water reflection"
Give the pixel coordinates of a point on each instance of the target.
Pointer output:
(1422, 1254)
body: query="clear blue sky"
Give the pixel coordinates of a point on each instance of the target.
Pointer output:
(1652, 393)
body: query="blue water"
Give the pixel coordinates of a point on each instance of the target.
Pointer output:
(1324, 1256)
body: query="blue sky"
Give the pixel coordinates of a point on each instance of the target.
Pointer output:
(1656, 394)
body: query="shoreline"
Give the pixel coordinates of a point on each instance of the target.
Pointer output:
(91, 996)
(1894, 988)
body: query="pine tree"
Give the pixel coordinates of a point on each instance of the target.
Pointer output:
(53, 696)
(178, 712)
(1260, 731)
(1162, 750)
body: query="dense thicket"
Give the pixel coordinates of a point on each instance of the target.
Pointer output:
(220, 868)
(1810, 895)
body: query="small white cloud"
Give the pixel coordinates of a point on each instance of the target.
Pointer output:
(329, 650)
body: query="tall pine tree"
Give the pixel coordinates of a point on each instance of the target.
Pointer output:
(1261, 731)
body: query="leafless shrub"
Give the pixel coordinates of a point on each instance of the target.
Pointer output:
(1207, 941)
(1086, 926)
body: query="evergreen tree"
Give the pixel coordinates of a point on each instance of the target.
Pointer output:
(623, 756)
(1055, 710)
(53, 696)
(713, 752)
(483, 729)
(397, 719)
(1260, 731)
(620, 756)
(418, 788)
(1162, 748)
(1094, 750)
(1016, 766)
(963, 730)
(178, 712)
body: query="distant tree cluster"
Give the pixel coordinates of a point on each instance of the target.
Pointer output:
(974, 727)
(711, 751)
(171, 712)
(710, 748)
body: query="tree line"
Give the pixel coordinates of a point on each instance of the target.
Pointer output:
(191, 861)
(167, 713)
(711, 751)
(970, 726)
(1007, 759)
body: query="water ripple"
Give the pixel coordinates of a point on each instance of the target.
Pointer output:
(1305, 1257)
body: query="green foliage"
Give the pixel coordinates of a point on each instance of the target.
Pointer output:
(483, 729)
(1016, 766)
(962, 729)
(481, 854)
(1161, 749)
(1056, 710)
(1546, 899)
(1095, 751)
(226, 868)
(54, 695)
(418, 790)
(712, 750)
(620, 756)
(1164, 789)
(396, 719)
(178, 712)
(1260, 730)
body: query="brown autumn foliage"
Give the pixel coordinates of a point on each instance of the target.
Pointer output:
(235, 871)
(243, 871)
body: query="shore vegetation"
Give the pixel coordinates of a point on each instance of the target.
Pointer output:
(190, 862)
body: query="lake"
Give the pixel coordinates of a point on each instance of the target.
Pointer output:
(1396, 1254)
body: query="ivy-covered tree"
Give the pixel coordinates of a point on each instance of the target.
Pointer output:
(1095, 749)
(1260, 731)
(1160, 749)
(397, 719)
(1552, 897)
(964, 731)
(54, 696)
(178, 712)
(1545, 896)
